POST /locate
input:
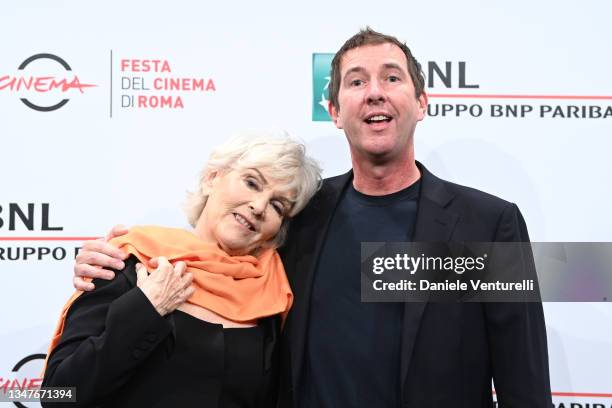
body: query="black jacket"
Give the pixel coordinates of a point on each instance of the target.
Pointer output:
(119, 352)
(450, 351)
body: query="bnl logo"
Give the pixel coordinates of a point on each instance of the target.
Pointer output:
(447, 75)
(321, 71)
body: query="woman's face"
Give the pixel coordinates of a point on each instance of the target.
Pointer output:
(245, 208)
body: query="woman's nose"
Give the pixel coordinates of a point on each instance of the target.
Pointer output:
(258, 204)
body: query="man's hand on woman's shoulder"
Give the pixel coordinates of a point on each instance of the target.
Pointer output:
(96, 255)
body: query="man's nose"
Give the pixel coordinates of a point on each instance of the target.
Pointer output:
(375, 92)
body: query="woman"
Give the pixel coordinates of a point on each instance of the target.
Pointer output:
(201, 328)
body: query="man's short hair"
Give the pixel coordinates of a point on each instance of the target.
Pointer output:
(368, 36)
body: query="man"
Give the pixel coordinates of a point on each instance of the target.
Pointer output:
(339, 352)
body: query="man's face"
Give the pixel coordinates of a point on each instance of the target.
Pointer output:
(378, 109)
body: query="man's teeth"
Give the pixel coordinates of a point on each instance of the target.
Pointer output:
(243, 221)
(378, 118)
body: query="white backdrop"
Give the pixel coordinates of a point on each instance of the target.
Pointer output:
(95, 170)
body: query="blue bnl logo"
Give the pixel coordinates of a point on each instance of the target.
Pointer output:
(321, 71)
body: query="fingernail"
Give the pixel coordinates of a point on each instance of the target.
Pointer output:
(119, 265)
(110, 275)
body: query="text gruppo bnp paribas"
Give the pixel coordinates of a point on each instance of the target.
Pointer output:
(152, 84)
(422, 264)
(520, 111)
(18, 221)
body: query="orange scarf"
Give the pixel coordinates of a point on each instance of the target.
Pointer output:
(239, 288)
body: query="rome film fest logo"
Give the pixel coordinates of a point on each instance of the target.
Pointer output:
(153, 84)
(24, 382)
(39, 86)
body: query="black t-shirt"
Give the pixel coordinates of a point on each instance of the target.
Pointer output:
(353, 348)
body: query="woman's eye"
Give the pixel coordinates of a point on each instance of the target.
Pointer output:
(251, 183)
(278, 207)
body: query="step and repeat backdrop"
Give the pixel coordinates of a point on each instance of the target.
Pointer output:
(109, 110)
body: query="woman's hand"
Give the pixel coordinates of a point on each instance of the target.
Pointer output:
(167, 287)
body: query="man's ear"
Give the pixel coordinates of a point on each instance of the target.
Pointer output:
(335, 115)
(422, 99)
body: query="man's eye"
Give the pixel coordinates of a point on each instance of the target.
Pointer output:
(356, 82)
(393, 78)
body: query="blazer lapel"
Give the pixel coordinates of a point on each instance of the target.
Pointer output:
(434, 223)
(310, 236)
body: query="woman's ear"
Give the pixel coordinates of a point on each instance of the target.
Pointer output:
(207, 181)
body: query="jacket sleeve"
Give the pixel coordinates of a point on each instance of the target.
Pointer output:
(517, 334)
(107, 334)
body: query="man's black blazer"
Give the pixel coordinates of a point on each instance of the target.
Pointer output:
(450, 351)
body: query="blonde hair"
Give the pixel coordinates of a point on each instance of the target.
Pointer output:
(284, 157)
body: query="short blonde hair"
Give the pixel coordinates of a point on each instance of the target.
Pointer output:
(284, 157)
